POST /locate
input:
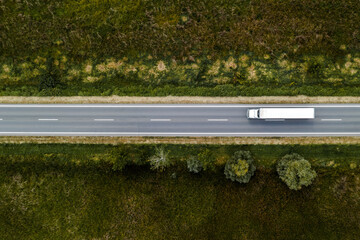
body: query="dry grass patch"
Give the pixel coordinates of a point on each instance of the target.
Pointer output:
(183, 140)
(182, 100)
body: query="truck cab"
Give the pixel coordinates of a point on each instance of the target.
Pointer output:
(253, 113)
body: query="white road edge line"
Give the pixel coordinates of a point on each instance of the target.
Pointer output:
(331, 119)
(105, 119)
(160, 120)
(218, 120)
(48, 119)
(175, 133)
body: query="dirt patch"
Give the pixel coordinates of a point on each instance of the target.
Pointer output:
(173, 100)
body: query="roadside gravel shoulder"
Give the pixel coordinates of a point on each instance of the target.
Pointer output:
(183, 100)
(182, 140)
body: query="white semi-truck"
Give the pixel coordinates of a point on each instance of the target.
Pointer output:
(281, 113)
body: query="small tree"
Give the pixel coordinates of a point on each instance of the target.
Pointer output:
(240, 167)
(160, 160)
(194, 165)
(295, 171)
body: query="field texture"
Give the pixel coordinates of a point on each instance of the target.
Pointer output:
(64, 191)
(191, 47)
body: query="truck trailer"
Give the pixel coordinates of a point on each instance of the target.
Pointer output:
(281, 113)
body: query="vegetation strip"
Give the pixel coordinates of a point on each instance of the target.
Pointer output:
(265, 155)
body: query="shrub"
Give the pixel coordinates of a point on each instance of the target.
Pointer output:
(240, 167)
(295, 171)
(160, 160)
(119, 157)
(315, 70)
(194, 165)
(49, 78)
(143, 153)
(207, 159)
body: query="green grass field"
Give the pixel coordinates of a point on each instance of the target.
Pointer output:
(191, 48)
(89, 28)
(64, 191)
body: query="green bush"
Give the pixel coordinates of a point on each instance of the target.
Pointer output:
(194, 165)
(49, 77)
(295, 171)
(119, 158)
(160, 160)
(240, 167)
(207, 159)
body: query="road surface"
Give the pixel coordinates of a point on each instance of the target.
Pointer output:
(170, 120)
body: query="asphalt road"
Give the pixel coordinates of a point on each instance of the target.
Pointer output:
(170, 120)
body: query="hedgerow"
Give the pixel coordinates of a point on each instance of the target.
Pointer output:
(176, 156)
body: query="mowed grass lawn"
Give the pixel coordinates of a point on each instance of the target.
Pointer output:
(74, 195)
